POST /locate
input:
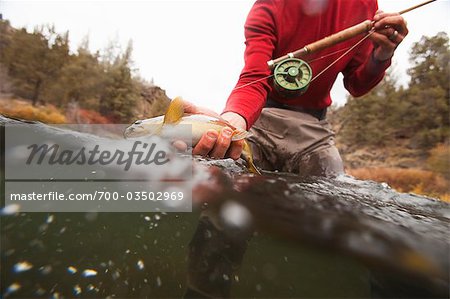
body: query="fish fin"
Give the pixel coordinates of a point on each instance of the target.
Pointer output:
(223, 123)
(158, 130)
(175, 111)
(248, 156)
(240, 134)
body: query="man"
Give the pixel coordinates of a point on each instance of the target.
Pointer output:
(291, 134)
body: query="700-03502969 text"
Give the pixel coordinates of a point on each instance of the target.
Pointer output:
(99, 195)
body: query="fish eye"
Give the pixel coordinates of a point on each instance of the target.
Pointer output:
(138, 122)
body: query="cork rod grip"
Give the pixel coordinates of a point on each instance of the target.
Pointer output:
(326, 42)
(339, 37)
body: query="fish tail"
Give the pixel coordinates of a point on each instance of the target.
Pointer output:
(248, 156)
(240, 134)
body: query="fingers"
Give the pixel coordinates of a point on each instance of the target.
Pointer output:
(390, 30)
(218, 145)
(235, 150)
(206, 143)
(212, 143)
(180, 145)
(222, 144)
(388, 42)
(384, 20)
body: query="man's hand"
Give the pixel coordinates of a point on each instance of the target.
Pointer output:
(218, 145)
(390, 30)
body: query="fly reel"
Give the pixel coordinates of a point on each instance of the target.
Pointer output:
(291, 77)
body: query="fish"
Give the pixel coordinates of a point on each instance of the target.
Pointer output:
(164, 126)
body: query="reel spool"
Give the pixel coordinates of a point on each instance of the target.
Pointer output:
(291, 77)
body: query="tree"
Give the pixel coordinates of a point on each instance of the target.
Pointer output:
(428, 93)
(33, 60)
(367, 120)
(419, 113)
(81, 81)
(121, 92)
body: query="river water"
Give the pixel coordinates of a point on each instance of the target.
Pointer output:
(270, 236)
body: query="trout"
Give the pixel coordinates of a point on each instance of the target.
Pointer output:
(164, 126)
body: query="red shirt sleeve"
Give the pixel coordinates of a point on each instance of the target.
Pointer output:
(260, 35)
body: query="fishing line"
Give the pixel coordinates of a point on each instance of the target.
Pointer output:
(253, 82)
(328, 55)
(343, 55)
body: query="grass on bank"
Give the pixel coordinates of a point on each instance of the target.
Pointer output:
(411, 180)
(24, 110)
(49, 114)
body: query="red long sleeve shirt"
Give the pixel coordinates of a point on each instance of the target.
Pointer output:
(276, 27)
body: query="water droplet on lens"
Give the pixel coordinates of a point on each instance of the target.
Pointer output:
(89, 273)
(158, 281)
(50, 219)
(22, 267)
(140, 265)
(46, 269)
(12, 288)
(76, 290)
(116, 275)
(10, 209)
(235, 215)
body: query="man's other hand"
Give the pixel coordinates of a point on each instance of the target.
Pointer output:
(390, 30)
(214, 144)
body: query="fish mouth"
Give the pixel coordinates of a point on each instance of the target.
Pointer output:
(132, 132)
(126, 133)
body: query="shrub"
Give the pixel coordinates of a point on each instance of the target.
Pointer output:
(23, 110)
(439, 160)
(84, 116)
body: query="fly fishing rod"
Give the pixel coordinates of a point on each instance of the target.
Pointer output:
(292, 75)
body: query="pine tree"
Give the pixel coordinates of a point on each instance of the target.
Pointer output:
(121, 92)
(427, 115)
(34, 60)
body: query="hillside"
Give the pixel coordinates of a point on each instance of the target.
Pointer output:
(41, 78)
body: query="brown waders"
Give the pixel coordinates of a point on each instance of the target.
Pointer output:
(295, 141)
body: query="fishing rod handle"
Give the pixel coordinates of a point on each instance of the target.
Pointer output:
(326, 42)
